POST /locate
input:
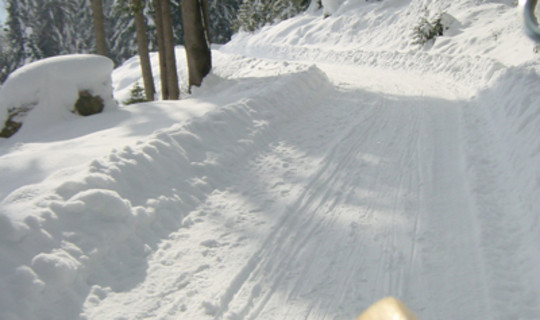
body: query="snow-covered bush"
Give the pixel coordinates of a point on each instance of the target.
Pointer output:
(427, 30)
(47, 91)
(136, 94)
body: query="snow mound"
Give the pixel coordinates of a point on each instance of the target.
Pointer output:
(45, 91)
(76, 237)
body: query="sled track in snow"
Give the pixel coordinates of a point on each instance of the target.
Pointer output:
(367, 194)
(369, 219)
(316, 193)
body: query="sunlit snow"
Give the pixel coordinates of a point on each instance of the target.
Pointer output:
(324, 164)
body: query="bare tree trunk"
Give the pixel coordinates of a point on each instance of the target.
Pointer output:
(172, 76)
(142, 46)
(197, 39)
(161, 49)
(99, 27)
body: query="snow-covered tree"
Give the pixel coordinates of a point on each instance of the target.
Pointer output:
(37, 29)
(253, 14)
(5, 57)
(222, 14)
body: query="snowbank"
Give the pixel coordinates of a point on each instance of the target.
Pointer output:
(512, 117)
(87, 231)
(503, 122)
(44, 92)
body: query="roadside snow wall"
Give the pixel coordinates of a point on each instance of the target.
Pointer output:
(504, 162)
(44, 93)
(510, 105)
(86, 232)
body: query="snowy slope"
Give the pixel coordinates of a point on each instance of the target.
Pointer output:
(325, 164)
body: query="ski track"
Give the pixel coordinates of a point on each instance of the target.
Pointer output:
(369, 194)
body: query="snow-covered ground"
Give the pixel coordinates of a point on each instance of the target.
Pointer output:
(323, 165)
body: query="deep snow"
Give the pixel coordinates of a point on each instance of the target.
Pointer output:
(323, 165)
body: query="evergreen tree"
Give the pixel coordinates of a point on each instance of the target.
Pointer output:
(99, 27)
(5, 57)
(136, 95)
(16, 36)
(161, 50)
(254, 14)
(135, 10)
(195, 15)
(37, 29)
(142, 46)
(121, 31)
(168, 44)
(222, 14)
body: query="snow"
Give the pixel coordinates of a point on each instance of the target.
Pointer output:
(331, 6)
(47, 89)
(324, 164)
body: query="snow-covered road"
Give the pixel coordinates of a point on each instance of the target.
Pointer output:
(367, 194)
(324, 164)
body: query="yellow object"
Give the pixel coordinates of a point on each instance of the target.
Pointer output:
(388, 309)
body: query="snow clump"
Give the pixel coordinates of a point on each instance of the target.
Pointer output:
(45, 92)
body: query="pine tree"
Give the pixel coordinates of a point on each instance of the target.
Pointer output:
(5, 57)
(37, 29)
(254, 14)
(99, 27)
(135, 10)
(142, 44)
(197, 38)
(15, 35)
(168, 44)
(161, 50)
(136, 95)
(222, 13)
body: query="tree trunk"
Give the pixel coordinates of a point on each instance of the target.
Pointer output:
(99, 27)
(142, 46)
(161, 50)
(172, 76)
(197, 40)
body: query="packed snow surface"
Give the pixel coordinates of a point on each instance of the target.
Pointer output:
(324, 164)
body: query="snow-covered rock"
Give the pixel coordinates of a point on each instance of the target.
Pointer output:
(43, 93)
